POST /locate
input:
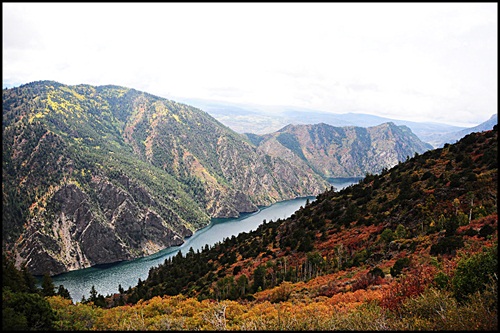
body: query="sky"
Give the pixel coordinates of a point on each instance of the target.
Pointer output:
(428, 62)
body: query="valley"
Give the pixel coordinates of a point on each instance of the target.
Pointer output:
(385, 253)
(98, 177)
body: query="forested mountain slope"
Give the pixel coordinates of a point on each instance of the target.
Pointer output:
(95, 175)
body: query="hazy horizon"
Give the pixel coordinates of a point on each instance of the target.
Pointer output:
(421, 62)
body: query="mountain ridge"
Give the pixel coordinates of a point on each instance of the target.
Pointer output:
(348, 151)
(260, 120)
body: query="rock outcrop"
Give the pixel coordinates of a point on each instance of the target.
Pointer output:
(80, 235)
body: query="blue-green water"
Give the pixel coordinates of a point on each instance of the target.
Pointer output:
(107, 278)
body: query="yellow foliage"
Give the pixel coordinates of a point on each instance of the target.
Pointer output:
(344, 311)
(176, 117)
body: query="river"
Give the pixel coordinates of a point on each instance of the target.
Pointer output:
(107, 278)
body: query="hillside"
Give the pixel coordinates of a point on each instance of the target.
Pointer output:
(431, 206)
(95, 175)
(342, 151)
(412, 248)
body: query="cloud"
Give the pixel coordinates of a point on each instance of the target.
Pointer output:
(434, 62)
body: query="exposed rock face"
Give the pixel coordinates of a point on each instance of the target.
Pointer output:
(344, 151)
(258, 180)
(82, 236)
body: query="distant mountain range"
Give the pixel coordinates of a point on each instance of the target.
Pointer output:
(348, 151)
(94, 175)
(439, 139)
(263, 120)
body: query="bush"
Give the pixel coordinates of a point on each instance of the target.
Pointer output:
(486, 230)
(441, 280)
(281, 293)
(473, 273)
(377, 272)
(399, 265)
(438, 310)
(387, 235)
(408, 285)
(447, 245)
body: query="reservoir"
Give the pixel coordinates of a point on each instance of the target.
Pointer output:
(107, 278)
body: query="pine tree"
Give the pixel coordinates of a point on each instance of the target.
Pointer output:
(63, 292)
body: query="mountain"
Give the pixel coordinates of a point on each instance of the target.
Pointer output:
(396, 245)
(440, 139)
(257, 119)
(342, 151)
(94, 175)
(424, 130)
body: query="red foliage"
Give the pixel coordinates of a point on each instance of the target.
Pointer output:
(365, 281)
(411, 284)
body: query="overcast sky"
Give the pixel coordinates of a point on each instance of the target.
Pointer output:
(411, 61)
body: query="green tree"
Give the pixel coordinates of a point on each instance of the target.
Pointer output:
(96, 298)
(47, 286)
(399, 265)
(259, 276)
(120, 289)
(63, 292)
(451, 226)
(26, 311)
(11, 276)
(401, 232)
(93, 294)
(387, 235)
(29, 280)
(242, 282)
